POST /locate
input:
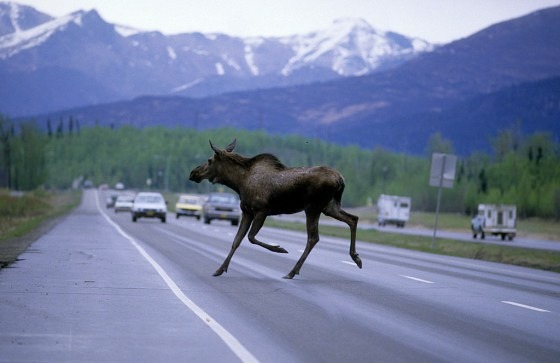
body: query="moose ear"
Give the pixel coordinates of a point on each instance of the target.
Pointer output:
(231, 146)
(216, 150)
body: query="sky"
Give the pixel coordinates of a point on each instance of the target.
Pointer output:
(437, 21)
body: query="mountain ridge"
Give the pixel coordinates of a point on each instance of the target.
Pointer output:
(132, 63)
(396, 109)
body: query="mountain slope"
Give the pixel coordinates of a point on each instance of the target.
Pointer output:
(123, 64)
(15, 18)
(468, 90)
(468, 124)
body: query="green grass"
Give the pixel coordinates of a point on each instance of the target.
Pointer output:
(21, 216)
(539, 259)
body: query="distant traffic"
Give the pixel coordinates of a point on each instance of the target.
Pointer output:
(144, 204)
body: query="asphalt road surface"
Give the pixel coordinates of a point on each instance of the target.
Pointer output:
(98, 287)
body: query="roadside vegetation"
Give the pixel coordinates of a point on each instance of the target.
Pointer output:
(516, 169)
(23, 217)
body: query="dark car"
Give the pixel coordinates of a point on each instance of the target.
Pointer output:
(224, 206)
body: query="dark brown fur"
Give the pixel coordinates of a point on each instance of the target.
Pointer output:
(267, 187)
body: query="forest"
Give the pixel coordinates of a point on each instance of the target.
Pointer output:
(522, 169)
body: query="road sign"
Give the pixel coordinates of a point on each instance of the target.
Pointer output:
(442, 173)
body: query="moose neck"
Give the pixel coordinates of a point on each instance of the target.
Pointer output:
(233, 176)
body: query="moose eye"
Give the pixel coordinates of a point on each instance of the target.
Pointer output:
(210, 161)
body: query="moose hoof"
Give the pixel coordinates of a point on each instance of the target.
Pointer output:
(290, 275)
(278, 249)
(219, 271)
(357, 260)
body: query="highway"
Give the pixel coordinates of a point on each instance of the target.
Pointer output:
(523, 242)
(98, 287)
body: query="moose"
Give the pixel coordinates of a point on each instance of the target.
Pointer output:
(268, 187)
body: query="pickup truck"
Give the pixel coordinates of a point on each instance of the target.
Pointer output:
(495, 219)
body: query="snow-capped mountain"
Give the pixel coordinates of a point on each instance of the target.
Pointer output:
(351, 47)
(21, 39)
(96, 61)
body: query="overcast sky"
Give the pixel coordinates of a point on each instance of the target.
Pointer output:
(438, 21)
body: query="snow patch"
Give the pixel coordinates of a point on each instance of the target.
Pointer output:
(196, 51)
(78, 21)
(220, 69)
(250, 59)
(14, 16)
(231, 62)
(171, 53)
(127, 31)
(187, 85)
(18, 41)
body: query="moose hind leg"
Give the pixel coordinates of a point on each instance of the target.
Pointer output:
(312, 239)
(333, 210)
(255, 228)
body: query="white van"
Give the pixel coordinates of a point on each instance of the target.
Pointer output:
(393, 209)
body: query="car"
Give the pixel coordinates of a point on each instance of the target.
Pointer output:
(88, 184)
(124, 203)
(110, 201)
(149, 205)
(477, 224)
(189, 205)
(222, 206)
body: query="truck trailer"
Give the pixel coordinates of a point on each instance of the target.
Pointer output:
(393, 209)
(495, 219)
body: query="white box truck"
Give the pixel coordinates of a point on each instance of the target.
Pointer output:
(393, 209)
(495, 219)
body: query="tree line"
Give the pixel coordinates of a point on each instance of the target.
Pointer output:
(523, 169)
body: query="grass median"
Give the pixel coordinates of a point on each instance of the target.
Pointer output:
(533, 258)
(25, 217)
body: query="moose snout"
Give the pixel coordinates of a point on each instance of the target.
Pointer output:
(197, 174)
(194, 176)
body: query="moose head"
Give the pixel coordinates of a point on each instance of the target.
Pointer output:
(213, 168)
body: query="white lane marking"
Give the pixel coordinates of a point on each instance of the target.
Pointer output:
(237, 348)
(417, 279)
(526, 306)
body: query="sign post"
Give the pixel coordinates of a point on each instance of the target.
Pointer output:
(442, 175)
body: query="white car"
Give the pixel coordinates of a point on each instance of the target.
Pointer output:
(149, 205)
(124, 203)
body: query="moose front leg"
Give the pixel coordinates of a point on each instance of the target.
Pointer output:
(246, 220)
(255, 228)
